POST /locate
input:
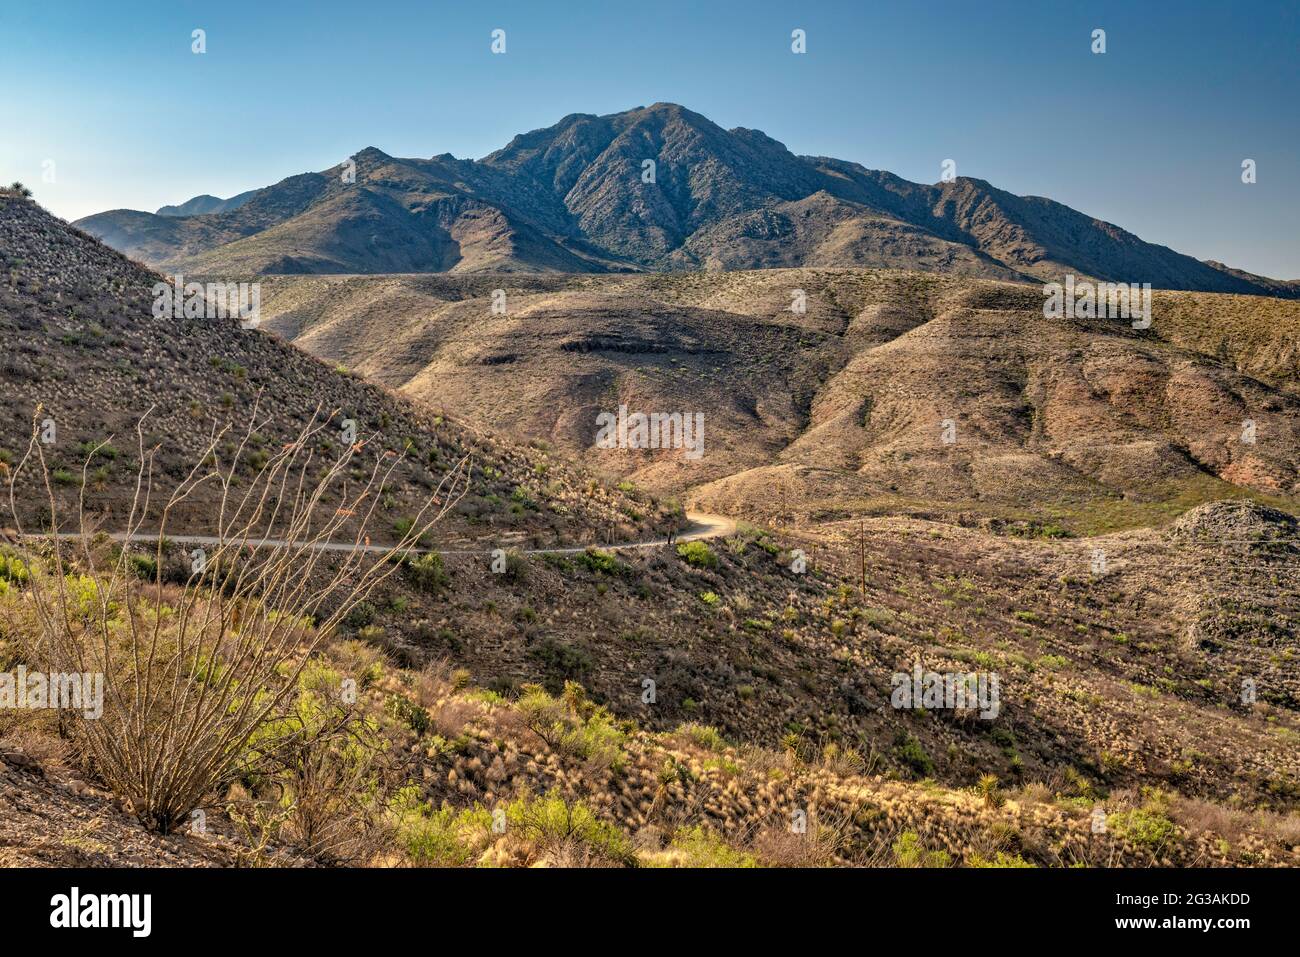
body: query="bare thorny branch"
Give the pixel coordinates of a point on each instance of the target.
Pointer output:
(194, 672)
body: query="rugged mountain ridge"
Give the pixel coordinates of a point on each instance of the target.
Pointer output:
(654, 188)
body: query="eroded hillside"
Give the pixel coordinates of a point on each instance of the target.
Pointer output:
(850, 404)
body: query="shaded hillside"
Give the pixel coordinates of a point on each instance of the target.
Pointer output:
(84, 345)
(580, 196)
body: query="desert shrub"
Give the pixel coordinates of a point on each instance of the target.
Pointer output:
(560, 662)
(1148, 825)
(315, 775)
(569, 833)
(598, 741)
(987, 788)
(704, 735)
(596, 560)
(87, 450)
(557, 561)
(144, 566)
(516, 569)
(13, 569)
(445, 837)
(910, 852)
(201, 682)
(999, 859)
(407, 712)
(911, 754)
(698, 554)
(699, 847)
(361, 615)
(543, 715)
(574, 726)
(426, 572)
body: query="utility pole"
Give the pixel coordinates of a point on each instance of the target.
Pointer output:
(862, 553)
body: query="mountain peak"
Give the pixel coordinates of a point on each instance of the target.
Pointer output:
(656, 187)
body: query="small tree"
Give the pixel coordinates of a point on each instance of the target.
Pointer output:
(20, 190)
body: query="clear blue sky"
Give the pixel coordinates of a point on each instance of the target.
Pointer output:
(1150, 135)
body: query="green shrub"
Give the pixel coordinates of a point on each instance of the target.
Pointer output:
(909, 751)
(557, 561)
(704, 735)
(560, 662)
(408, 712)
(554, 824)
(361, 615)
(910, 852)
(1148, 825)
(516, 566)
(697, 554)
(595, 560)
(700, 847)
(426, 572)
(13, 569)
(1000, 859)
(442, 838)
(145, 566)
(597, 740)
(86, 449)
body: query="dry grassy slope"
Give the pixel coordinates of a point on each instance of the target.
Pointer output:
(82, 342)
(1110, 682)
(841, 407)
(1132, 675)
(669, 786)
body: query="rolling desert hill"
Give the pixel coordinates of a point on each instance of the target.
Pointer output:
(84, 345)
(573, 198)
(841, 408)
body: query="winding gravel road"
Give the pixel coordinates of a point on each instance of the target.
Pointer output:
(702, 525)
